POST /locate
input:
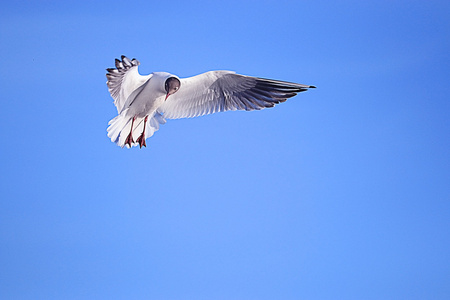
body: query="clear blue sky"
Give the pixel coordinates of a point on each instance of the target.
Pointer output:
(340, 193)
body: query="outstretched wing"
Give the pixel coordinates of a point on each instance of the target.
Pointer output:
(218, 91)
(123, 80)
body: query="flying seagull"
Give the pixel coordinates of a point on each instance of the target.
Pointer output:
(144, 102)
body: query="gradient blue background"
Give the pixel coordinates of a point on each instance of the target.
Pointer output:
(340, 193)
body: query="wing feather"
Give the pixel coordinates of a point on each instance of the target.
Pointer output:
(123, 80)
(218, 91)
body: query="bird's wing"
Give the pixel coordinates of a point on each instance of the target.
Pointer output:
(123, 80)
(218, 91)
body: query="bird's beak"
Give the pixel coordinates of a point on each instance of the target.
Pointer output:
(167, 96)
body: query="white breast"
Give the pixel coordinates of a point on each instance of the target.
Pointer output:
(146, 99)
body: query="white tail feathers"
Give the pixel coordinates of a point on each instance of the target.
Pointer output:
(120, 127)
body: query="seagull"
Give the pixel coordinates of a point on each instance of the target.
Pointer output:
(145, 102)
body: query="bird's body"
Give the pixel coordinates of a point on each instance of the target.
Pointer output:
(147, 98)
(144, 102)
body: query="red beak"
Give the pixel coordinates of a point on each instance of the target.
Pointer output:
(167, 96)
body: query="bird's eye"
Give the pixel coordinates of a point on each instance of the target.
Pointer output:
(176, 88)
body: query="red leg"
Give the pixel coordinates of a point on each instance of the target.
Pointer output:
(129, 139)
(141, 138)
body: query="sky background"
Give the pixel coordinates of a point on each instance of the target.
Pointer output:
(342, 192)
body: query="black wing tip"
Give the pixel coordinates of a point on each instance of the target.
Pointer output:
(284, 84)
(123, 64)
(133, 61)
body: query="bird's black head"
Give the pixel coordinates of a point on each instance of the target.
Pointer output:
(172, 85)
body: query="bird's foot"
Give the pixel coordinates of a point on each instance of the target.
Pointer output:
(141, 140)
(129, 140)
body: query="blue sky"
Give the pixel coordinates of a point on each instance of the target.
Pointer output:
(340, 193)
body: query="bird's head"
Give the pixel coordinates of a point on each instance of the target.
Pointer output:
(172, 85)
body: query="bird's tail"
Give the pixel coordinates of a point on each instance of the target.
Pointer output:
(120, 127)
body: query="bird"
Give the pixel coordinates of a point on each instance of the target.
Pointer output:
(144, 102)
